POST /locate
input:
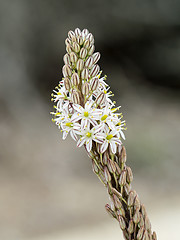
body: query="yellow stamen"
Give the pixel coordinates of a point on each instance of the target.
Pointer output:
(86, 114)
(88, 134)
(104, 117)
(109, 137)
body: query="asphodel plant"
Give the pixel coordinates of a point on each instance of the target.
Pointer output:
(84, 109)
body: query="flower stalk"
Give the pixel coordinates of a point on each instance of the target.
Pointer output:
(84, 109)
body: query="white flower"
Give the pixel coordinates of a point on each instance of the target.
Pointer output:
(88, 135)
(60, 95)
(69, 127)
(88, 114)
(110, 138)
(107, 118)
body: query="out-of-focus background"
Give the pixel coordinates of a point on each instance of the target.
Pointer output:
(47, 188)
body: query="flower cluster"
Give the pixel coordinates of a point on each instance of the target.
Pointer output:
(83, 106)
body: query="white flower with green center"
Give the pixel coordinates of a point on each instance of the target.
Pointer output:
(110, 139)
(106, 117)
(69, 127)
(88, 114)
(88, 135)
(61, 94)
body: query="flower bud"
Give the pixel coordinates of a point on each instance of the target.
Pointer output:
(143, 210)
(83, 53)
(73, 57)
(111, 166)
(131, 197)
(74, 39)
(75, 97)
(67, 84)
(85, 89)
(94, 167)
(85, 33)
(76, 47)
(140, 233)
(80, 40)
(136, 217)
(80, 65)
(100, 98)
(122, 223)
(87, 44)
(137, 204)
(94, 84)
(107, 175)
(71, 34)
(127, 188)
(117, 202)
(66, 59)
(89, 62)
(145, 236)
(67, 41)
(85, 73)
(66, 71)
(91, 50)
(110, 211)
(122, 179)
(95, 70)
(75, 79)
(96, 56)
(123, 155)
(105, 157)
(141, 221)
(129, 175)
(69, 48)
(131, 226)
(90, 37)
(154, 236)
(147, 223)
(118, 170)
(77, 32)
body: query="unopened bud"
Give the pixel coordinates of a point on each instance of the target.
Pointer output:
(85, 73)
(143, 210)
(94, 70)
(123, 155)
(69, 48)
(141, 222)
(122, 223)
(71, 34)
(89, 62)
(131, 198)
(80, 40)
(110, 211)
(66, 71)
(127, 188)
(140, 233)
(131, 226)
(90, 37)
(118, 170)
(75, 97)
(66, 59)
(67, 84)
(129, 175)
(85, 88)
(117, 202)
(111, 166)
(87, 44)
(83, 53)
(145, 236)
(75, 79)
(100, 98)
(107, 175)
(94, 84)
(105, 157)
(80, 65)
(122, 179)
(96, 56)
(73, 57)
(76, 47)
(91, 50)
(147, 223)
(154, 236)
(94, 167)
(85, 33)
(137, 204)
(77, 32)
(136, 217)
(67, 41)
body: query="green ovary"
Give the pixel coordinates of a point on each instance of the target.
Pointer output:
(104, 117)
(88, 134)
(109, 137)
(69, 124)
(86, 114)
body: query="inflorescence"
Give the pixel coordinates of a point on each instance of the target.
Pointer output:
(83, 106)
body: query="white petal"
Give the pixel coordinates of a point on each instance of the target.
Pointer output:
(113, 147)
(84, 123)
(80, 142)
(122, 135)
(89, 145)
(78, 108)
(65, 133)
(104, 146)
(73, 135)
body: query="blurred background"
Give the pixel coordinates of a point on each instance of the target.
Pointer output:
(47, 188)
